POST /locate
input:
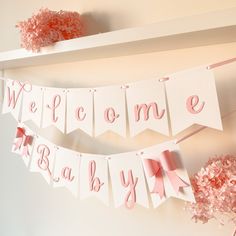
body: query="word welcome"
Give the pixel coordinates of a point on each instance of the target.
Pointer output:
(59, 107)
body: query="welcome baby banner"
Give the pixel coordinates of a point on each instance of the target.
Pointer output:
(185, 98)
(156, 171)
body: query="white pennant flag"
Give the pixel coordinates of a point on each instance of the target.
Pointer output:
(128, 181)
(79, 110)
(42, 160)
(66, 170)
(165, 173)
(192, 99)
(13, 97)
(54, 108)
(147, 107)
(110, 112)
(94, 177)
(23, 143)
(33, 105)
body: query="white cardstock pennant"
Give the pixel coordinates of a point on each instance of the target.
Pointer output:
(42, 160)
(110, 112)
(147, 107)
(128, 181)
(79, 110)
(66, 170)
(13, 97)
(192, 99)
(23, 143)
(94, 177)
(54, 107)
(153, 153)
(33, 105)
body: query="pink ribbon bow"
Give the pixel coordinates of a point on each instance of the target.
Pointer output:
(24, 140)
(165, 163)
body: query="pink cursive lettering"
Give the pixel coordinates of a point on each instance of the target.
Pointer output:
(191, 104)
(146, 111)
(56, 101)
(66, 174)
(94, 182)
(43, 162)
(13, 96)
(130, 198)
(79, 114)
(110, 115)
(32, 107)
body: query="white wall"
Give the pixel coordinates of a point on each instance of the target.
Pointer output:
(28, 206)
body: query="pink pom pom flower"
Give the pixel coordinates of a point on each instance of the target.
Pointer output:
(48, 27)
(214, 188)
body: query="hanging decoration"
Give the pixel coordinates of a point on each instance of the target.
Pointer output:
(47, 27)
(154, 173)
(23, 144)
(86, 174)
(195, 89)
(149, 104)
(214, 189)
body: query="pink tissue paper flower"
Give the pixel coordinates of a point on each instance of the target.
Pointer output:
(47, 27)
(214, 188)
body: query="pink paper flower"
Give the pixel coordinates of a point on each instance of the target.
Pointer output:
(48, 27)
(214, 188)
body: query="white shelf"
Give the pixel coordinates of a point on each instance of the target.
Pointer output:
(199, 30)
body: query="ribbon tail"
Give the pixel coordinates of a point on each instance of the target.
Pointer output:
(176, 181)
(159, 185)
(18, 144)
(25, 151)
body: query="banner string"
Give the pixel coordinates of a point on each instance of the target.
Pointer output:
(209, 67)
(221, 63)
(201, 128)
